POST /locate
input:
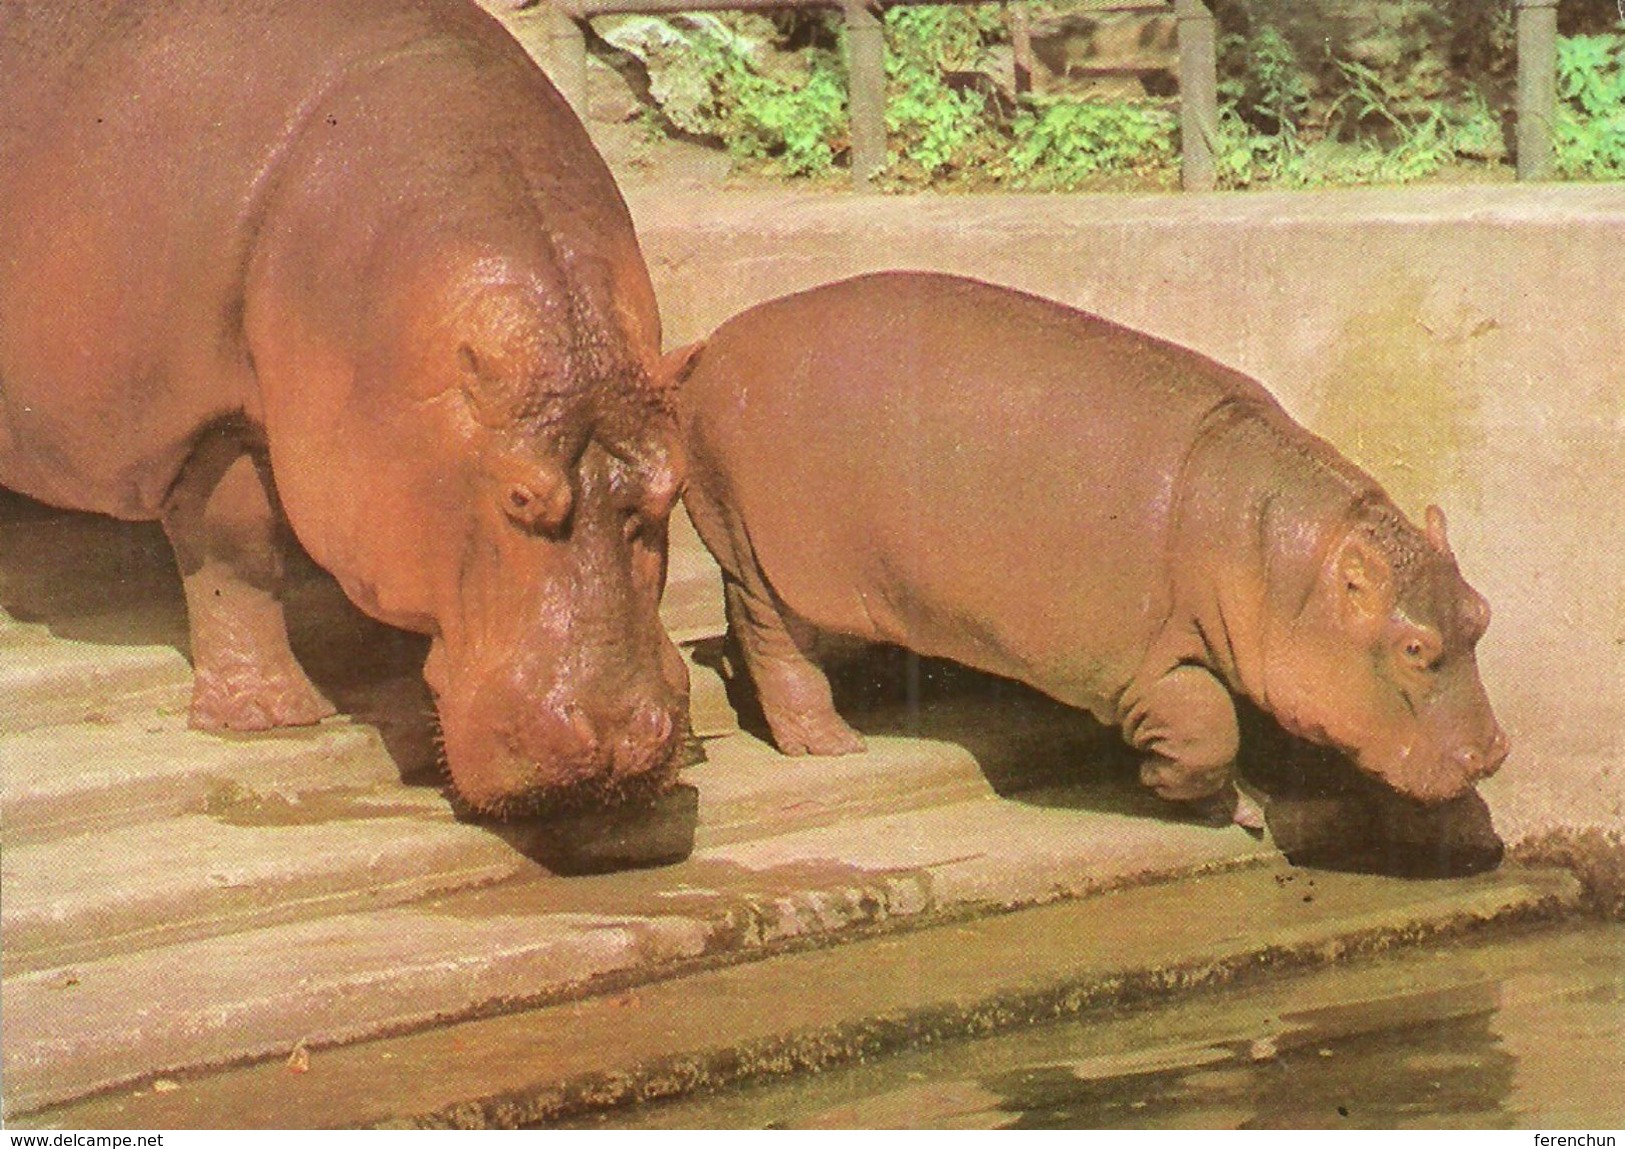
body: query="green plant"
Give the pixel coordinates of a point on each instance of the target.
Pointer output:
(1589, 134)
(797, 126)
(1062, 143)
(712, 77)
(932, 124)
(1274, 87)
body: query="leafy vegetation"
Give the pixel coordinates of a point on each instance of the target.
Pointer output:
(1589, 135)
(1063, 143)
(1392, 101)
(721, 78)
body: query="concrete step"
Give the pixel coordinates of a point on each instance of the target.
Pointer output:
(787, 1013)
(58, 681)
(262, 896)
(691, 608)
(116, 891)
(69, 779)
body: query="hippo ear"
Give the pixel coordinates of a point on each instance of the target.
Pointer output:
(676, 366)
(1436, 530)
(1365, 583)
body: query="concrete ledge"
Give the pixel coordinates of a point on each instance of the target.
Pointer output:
(827, 1007)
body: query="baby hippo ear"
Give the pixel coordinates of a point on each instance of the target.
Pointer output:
(1436, 531)
(1364, 584)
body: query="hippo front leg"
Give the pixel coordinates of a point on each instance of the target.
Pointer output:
(221, 521)
(793, 690)
(1186, 725)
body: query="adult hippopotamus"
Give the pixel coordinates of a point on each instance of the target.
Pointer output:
(354, 261)
(986, 476)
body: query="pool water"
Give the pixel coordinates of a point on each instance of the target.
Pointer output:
(1526, 1031)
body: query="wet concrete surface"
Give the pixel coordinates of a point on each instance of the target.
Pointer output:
(818, 1009)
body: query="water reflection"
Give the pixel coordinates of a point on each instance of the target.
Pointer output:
(1450, 1072)
(1526, 1032)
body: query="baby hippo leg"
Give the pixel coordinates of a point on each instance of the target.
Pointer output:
(793, 689)
(1186, 725)
(222, 524)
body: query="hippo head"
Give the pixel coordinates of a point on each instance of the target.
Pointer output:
(497, 471)
(1379, 663)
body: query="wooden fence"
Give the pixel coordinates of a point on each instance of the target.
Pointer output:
(1198, 82)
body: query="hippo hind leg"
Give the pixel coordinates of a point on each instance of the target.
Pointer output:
(1186, 725)
(222, 523)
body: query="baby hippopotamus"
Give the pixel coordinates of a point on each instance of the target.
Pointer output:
(978, 474)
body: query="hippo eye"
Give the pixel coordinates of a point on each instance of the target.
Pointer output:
(1422, 649)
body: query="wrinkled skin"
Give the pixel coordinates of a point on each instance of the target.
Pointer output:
(981, 475)
(356, 263)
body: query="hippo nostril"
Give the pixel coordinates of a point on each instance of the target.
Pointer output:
(647, 741)
(1475, 764)
(581, 726)
(658, 723)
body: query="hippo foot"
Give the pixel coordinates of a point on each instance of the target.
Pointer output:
(1228, 807)
(819, 735)
(256, 702)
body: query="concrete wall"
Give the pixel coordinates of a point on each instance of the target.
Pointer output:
(1465, 345)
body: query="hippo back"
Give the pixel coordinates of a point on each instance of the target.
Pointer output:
(139, 150)
(969, 445)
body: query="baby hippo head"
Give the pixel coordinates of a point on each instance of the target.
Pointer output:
(1380, 662)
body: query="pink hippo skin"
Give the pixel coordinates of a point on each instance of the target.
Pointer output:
(982, 475)
(354, 261)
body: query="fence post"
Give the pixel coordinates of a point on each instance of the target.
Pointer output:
(1198, 94)
(866, 92)
(1021, 47)
(1537, 87)
(567, 58)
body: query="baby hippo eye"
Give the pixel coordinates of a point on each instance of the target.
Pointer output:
(1422, 649)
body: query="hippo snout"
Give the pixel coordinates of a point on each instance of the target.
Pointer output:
(512, 749)
(1479, 762)
(548, 757)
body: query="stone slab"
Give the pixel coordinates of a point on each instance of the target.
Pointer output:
(72, 779)
(812, 1009)
(66, 681)
(85, 896)
(906, 832)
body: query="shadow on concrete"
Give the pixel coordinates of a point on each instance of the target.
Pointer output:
(1321, 811)
(93, 579)
(639, 835)
(1324, 813)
